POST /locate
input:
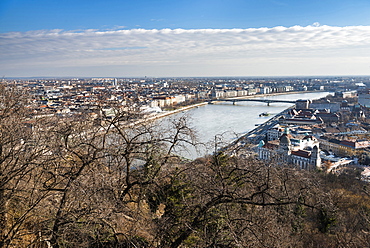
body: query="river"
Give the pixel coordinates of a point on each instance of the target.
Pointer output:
(232, 121)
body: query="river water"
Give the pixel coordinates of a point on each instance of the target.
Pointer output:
(227, 121)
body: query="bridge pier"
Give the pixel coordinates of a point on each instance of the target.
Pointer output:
(268, 103)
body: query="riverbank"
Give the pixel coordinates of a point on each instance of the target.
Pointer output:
(167, 113)
(155, 116)
(254, 136)
(229, 122)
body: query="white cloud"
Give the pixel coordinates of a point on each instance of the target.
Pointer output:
(217, 51)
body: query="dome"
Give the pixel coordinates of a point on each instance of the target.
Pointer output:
(285, 139)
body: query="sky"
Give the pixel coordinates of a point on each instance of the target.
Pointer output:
(192, 38)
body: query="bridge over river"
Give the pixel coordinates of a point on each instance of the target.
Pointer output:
(268, 101)
(230, 121)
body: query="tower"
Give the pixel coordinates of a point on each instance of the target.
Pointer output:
(285, 143)
(315, 157)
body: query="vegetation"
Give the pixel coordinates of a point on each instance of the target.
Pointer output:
(108, 183)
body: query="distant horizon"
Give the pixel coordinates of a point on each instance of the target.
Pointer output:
(219, 77)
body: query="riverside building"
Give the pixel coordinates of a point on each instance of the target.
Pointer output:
(302, 152)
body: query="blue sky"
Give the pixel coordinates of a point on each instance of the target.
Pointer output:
(26, 15)
(184, 38)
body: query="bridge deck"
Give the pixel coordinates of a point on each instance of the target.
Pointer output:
(255, 100)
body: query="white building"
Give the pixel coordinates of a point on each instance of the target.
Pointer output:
(304, 153)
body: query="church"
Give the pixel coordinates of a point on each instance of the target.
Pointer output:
(303, 151)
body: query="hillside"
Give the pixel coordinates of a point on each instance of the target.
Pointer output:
(83, 182)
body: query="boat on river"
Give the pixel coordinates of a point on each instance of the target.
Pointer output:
(264, 114)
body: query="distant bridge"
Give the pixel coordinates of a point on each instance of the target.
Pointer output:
(268, 101)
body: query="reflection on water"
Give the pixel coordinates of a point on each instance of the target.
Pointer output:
(233, 121)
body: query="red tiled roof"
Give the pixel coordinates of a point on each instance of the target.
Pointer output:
(273, 144)
(302, 153)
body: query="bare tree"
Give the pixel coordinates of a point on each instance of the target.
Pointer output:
(98, 176)
(118, 181)
(237, 199)
(137, 157)
(75, 146)
(20, 151)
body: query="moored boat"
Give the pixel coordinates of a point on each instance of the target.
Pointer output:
(264, 114)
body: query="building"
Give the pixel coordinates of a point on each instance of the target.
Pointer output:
(326, 116)
(343, 147)
(364, 99)
(216, 94)
(302, 104)
(331, 106)
(346, 94)
(301, 152)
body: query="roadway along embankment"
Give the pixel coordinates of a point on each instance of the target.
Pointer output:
(167, 113)
(257, 134)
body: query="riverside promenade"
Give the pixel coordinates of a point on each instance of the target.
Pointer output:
(167, 113)
(163, 114)
(257, 134)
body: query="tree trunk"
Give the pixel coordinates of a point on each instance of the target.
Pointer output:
(3, 218)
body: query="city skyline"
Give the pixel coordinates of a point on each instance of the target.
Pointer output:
(184, 39)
